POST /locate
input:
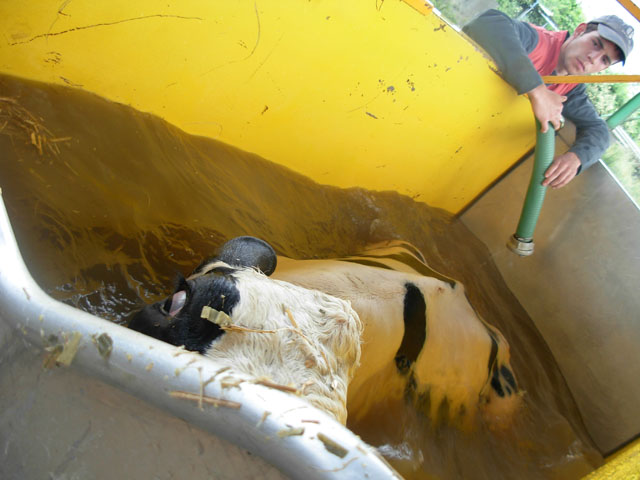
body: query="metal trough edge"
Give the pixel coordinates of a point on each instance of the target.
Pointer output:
(293, 436)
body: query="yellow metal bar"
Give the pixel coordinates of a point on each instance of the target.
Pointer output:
(631, 7)
(624, 465)
(591, 79)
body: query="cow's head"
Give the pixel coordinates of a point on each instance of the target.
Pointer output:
(230, 311)
(178, 318)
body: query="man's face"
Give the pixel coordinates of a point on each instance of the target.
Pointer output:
(586, 53)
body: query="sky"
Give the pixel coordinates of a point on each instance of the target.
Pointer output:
(596, 8)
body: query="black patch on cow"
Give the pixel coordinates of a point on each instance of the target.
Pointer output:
(402, 364)
(415, 327)
(495, 383)
(494, 350)
(508, 376)
(244, 251)
(187, 327)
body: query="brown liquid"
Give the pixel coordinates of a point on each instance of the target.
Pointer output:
(114, 202)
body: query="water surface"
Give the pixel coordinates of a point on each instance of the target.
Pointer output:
(109, 203)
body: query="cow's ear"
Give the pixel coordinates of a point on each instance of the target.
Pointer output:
(248, 252)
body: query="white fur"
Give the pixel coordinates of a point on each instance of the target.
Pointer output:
(318, 355)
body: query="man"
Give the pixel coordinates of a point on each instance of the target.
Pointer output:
(524, 52)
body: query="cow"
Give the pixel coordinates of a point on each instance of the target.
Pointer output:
(345, 332)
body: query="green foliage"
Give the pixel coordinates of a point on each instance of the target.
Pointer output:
(626, 168)
(448, 10)
(607, 98)
(567, 14)
(513, 8)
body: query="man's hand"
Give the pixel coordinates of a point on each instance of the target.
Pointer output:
(546, 106)
(562, 170)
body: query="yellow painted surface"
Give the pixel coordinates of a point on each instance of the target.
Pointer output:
(624, 465)
(382, 95)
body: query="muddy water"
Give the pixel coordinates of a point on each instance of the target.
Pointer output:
(109, 203)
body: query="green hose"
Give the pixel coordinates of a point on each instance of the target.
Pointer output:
(624, 112)
(522, 242)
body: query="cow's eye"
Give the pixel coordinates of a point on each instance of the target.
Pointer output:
(166, 306)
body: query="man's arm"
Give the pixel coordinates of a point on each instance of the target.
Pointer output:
(592, 133)
(508, 42)
(592, 140)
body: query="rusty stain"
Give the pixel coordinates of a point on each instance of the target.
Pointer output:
(69, 350)
(53, 57)
(53, 353)
(104, 344)
(69, 82)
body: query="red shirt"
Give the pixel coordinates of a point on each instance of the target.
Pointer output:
(545, 57)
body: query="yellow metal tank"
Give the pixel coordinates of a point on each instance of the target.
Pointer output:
(383, 95)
